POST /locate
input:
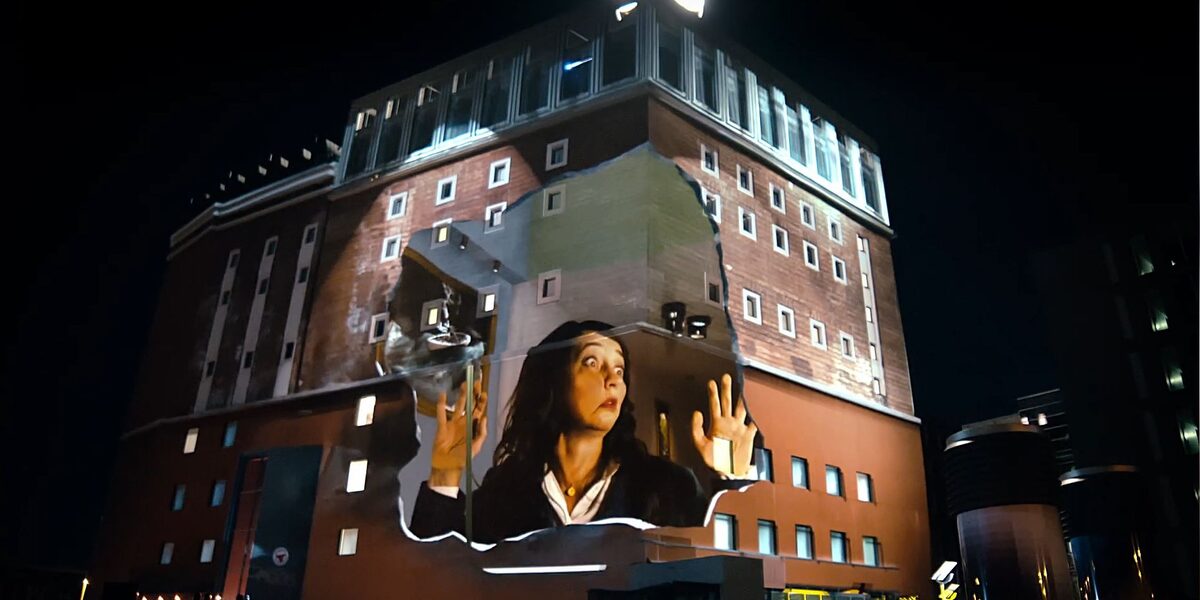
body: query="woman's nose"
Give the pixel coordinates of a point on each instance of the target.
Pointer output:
(611, 378)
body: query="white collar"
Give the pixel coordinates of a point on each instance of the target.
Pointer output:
(588, 504)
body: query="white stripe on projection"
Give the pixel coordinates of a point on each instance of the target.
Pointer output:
(864, 263)
(291, 329)
(250, 342)
(214, 333)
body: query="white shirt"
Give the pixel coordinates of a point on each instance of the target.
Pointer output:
(585, 508)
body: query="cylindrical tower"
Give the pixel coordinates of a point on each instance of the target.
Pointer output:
(1104, 507)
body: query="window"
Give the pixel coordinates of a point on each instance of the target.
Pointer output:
(224, 297)
(747, 223)
(870, 315)
(737, 93)
(391, 248)
(871, 551)
(1188, 432)
(498, 173)
(837, 547)
(708, 161)
(549, 286)
(496, 88)
(310, 234)
(347, 542)
(804, 541)
(378, 331)
(752, 307)
(209, 367)
(847, 166)
(712, 205)
(262, 285)
(847, 344)
(397, 205)
(777, 199)
(446, 188)
(206, 550)
(576, 78)
(556, 154)
(768, 123)
(535, 76)
(364, 413)
(833, 480)
(870, 186)
(787, 321)
(670, 53)
(795, 133)
(821, 144)
(289, 350)
(620, 51)
(247, 359)
(271, 244)
(189, 442)
(780, 239)
(356, 477)
(876, 386)
(487, 302)
(839, 270)
(230, 436)
(817, 333)
(233, 259)
(441, 233)
(302, 276)
(712, 291)
(1158, 311)
(762, 469)
(807, 216)
(705, 61)
(799, 472)
(178, 497)
(460, 105)
(745, 180)
(554, 200)
(392, 130)
(493, 217)
(874, 351)
(168, 551)
(812, 259)
(424, 117)
(766, 537)
(835, 231)
(218, 493)
(866, 488)
(1141, 256)
(1172, 369)
(724, 532)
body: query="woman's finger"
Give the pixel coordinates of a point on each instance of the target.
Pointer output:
(714, 404)
(739, 412)
(726, 395)
(698, 436)
(441, 409)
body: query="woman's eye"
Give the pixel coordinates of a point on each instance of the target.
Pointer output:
(590, 362)
(620, 371)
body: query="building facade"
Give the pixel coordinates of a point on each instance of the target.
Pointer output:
(609, 166)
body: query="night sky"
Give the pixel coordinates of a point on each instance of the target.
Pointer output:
(1003, 127)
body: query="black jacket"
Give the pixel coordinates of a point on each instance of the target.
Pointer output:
(645, 487)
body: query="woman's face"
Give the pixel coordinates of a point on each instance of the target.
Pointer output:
(597, 383)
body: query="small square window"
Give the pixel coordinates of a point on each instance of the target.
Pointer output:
(302, 277)
(289, 350)
(230, 435)
(189, 442)
(712, 205)
(748, 223)
(835, 231)
(745, 180)
(839, 270)
(766, 537)
(364, 413)
(168, 551)
(206, 550)
(233, 259)
(866, 488)
(209, 367)
(712, 293)
(812, 259)
(847, 344)
(779, 238)
(225, 297)
(262, 286)
(347, 542)
(724, 532)
(708, 160)
(493, 217)
(833, 480)
(397, 205)
(271, 243)
(752, 307)
(554, 200)
(441, 233)
(870, 315)
(787, 321)
(446, 189)
(877, 386)
(379, 324)
(433, 313)
(310, 234)
(804, 542)
(807, 216)
(549, 286)
(356, 477)
(799, 472)
(556, 154)
(218, 493)
(817, 333)
(487, 304)
(874, 352)
(178, 497)
(498, 173)
(247, 359)
(777, 198)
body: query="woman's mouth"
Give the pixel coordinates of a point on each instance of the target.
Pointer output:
(611, 403)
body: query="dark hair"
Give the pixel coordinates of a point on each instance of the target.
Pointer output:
(538, 413)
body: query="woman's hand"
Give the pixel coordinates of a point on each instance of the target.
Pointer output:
(450, 440)
(726, 422)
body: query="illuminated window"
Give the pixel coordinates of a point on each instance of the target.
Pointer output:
(833, 480)
(493, 217)
(556, 154)
(777, 199)
(441, 233)
(487, 301)
(708, 161)
(712, 205)
(745, 180)
(189, 442)
(837, 547)
(549, 286)
(835, 231)
(218, 493)
(576, 74)
(766, 537)
(847, 344)
(379, 324)
(724, 532)
(779, 238)
(206, 550)
(397, 205)
(817, 333)
(498, 173)
(812, 258)
(1188, 433)
(804, 542)
(1172, 369)
(748, 223)
(446, 189)
(364, 413)
(1158, 311)
(554, 200)
(178, 497)
(787, 321)
(872, 551)
(364, 119)
(807, 216)
(799, 472)
(752, 307)
(356, 477)
(433, 313)
(168, 551)
(768, 122)
(1141, 256)
(866, 488)
(839, 271)
(347, 542)
(230, 434)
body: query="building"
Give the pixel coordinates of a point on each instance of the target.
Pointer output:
(633, 167)
(1045, 409)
